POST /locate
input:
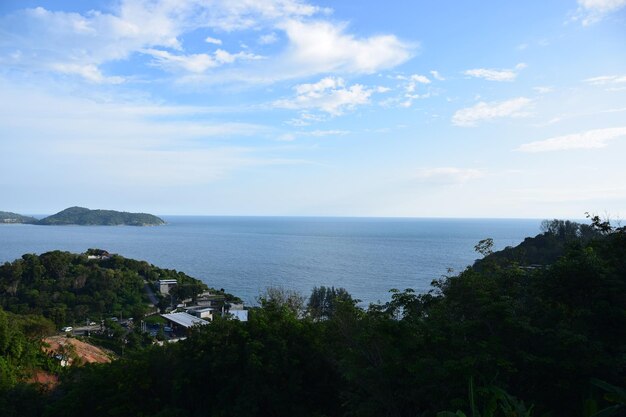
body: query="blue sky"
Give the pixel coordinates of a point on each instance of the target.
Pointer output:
(287, 107)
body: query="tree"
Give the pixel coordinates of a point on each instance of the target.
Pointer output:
(278, 297)
(484, 247)
(324, 300)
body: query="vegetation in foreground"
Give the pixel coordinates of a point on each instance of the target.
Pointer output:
(500, 339)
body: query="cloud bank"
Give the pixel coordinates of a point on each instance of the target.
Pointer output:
(83, 44)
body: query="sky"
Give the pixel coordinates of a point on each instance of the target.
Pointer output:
(398, 108)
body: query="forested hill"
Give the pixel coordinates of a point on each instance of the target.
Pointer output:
(70, 288)
(8, 217)
(544, 249)
(87, 217)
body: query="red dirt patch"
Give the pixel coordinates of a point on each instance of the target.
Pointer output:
(48, 381)
(78, 350)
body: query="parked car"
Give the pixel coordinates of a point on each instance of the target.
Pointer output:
(67, 329)
(92, 323)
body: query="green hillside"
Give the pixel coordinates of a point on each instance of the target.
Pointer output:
(70, 288)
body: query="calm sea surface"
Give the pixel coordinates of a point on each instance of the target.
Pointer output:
(245, 255)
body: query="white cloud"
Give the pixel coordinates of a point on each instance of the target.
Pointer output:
(470, 116)
(606, 80)
(437, 76)
(213, 41)
(543, 89)
(592, 11)
(495, 74)
(329, 95)
(447, 175)
(603, 6)
(413, 82)
(591, 139)
(291, 136)
(197, 63)
(88, 72)
(420, 79)
(306, 119)
(320, 46)
(268, 38)
(492, 75)
(81, 44)
(318, 133)
(409, 87)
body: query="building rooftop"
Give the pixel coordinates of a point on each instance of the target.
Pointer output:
(184, 319)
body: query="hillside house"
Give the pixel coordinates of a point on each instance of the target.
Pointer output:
(165, 285)
(182, 323)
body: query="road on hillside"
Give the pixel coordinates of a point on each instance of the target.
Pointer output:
(153, 298)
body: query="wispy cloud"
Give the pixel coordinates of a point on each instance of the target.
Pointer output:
(88, 72)
(120, 142)
(592, 11)
(437, 76)
(268, 38)
(411, 87)
(591, 139)
(197, 63)
(330, 95)
(496, 74)
(291, 136)
(606, 80)
(483, 111)
(542, 89)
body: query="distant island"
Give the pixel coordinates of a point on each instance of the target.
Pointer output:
(85, 217)
(8, 217)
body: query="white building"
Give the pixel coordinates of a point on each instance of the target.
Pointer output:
(202, 312)
(166, 284)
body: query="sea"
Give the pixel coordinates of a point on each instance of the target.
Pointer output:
(246, 255)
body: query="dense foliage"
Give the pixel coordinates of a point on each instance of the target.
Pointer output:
(20, 344)
(499, 340)
(543, 249)
(21, 357)
(71, 288)
(84, 216)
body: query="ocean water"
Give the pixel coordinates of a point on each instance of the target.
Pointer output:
(245, 255)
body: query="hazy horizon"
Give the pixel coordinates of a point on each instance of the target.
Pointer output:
(304, 216)
(410, 109)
